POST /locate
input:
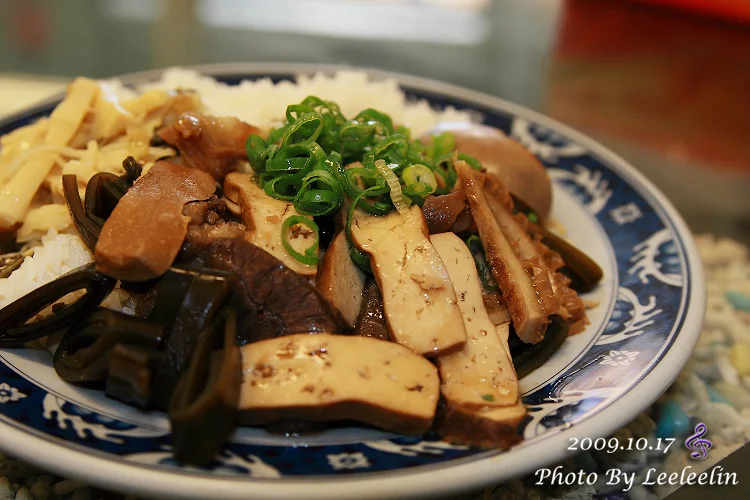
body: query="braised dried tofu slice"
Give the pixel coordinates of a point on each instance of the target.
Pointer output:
(263, 216)
(418, 298)
(325, 377)
(481, 373)
(495, 428)
(340, 281)
(509, 272)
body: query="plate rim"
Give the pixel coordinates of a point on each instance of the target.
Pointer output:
(69, 461)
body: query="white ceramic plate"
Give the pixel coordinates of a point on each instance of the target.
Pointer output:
(649, 318)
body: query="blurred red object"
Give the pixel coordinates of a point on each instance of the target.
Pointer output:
(735, 10)
(671, 82)
(29, 26)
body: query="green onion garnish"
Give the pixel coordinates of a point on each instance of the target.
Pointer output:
(419, 182)
(305, 161)
(310, 257)
(470, 160)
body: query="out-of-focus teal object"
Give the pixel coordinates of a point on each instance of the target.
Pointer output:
(673, 421)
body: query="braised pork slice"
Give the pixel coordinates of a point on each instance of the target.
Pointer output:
(210, 220)
(142, 237)
(441, 212)
(212, 144)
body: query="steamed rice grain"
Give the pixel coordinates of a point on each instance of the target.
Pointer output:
(263, 103)
(57, 254)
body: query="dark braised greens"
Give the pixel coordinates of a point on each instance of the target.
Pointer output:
(529, 357)
(15, 325)
(103, 191)
(203, 408)
(84, 352)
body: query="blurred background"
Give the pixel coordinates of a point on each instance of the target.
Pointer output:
(665, 83)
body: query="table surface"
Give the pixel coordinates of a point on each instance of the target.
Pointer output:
(665, 90)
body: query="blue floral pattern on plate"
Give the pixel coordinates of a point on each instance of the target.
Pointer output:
(653, 285)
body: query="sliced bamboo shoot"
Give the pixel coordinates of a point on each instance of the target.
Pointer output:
(507, 269)
(64, 122)
(418, 298)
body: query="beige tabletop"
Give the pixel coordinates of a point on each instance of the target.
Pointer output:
(18, 91)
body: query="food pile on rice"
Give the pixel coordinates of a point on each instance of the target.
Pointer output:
(182, 240)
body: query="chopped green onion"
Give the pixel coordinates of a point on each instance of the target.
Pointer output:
(309, 159)
(320, 194)
(532, 218)
(257, 150)
(304, 130)
(394, 149)
(443, 144)
(360, 258)
(420, 174)
(488, 397)
(283, 187)
(397, 197)
(470, 160)
(310, 257)
(381, 121)
(276, 135)
(373, 185)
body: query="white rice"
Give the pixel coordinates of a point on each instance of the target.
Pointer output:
(263, 103)
(57, 254)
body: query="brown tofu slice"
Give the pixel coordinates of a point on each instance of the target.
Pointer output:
(481, 373)
(488, 428)
(340, 281)
(325, 377)
(263, 216)
(418, 298)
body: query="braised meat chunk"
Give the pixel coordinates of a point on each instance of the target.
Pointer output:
(214, 145)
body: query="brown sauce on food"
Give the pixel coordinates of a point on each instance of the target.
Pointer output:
(441, 212)
(371, 321)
